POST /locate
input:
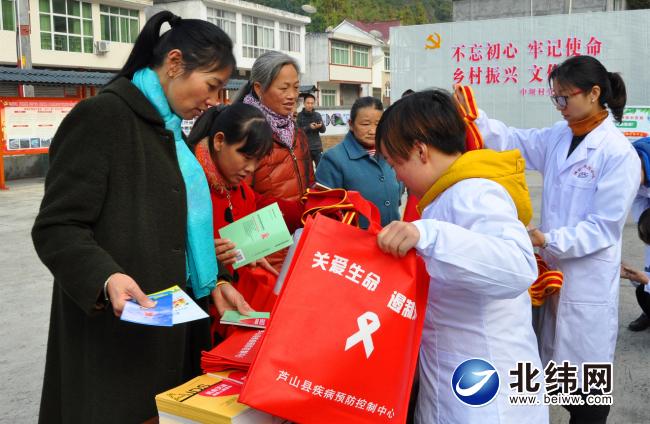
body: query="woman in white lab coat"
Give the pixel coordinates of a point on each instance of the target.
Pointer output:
(591, 175)
(479, 258)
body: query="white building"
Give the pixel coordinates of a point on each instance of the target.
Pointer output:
(70, 34)
(349, 62)
(98, 36)
(254, 28)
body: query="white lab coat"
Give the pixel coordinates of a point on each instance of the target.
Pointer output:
(585, 201)
(481, 263)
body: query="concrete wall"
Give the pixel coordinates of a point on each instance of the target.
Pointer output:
(26, 166)
(317, 56)
(8, 55)
(349, 73)
(470, 10)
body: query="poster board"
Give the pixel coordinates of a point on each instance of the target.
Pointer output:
(27, 125)
(636, 122)
(507, 61)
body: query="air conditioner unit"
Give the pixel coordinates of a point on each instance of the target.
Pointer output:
(102, 46)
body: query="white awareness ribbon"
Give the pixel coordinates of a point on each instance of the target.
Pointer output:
(368, 323)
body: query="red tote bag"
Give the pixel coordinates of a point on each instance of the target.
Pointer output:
(343, 340)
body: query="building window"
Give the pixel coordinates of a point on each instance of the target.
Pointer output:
(360, 56)
(340, 53)
(387, 62)
(387, 90)
(258, 36)
(328, 97)
(289, 38)
(66, 25)
(7, 15)
(119, 24)
(227, 21)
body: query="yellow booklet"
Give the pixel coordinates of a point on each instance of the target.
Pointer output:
(210, 400)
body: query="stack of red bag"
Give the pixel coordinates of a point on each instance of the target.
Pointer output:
(236, 352)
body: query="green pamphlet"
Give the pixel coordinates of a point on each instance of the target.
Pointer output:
(257, 235)
(253, 319)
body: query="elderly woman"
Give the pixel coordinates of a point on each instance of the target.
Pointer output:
(287, 171)
(273, 88)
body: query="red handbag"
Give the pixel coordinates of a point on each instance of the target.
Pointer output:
(343, 340)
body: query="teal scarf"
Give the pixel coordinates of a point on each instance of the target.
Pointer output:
(200, 258)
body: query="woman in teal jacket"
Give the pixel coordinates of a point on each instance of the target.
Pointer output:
(353, 164)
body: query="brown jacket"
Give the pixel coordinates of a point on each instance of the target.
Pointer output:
(285, 173)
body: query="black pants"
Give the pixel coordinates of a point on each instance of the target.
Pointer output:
(644, 299)
(588, 414)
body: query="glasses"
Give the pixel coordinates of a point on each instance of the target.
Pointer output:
(562, 101)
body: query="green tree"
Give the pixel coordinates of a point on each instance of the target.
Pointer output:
(333, 12)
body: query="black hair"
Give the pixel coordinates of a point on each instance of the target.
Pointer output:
(407, 92)
(643, 226)
(430, 117)
(237, 122)
(309, 96)
(584, 72)
(203, 45)
(363, 102)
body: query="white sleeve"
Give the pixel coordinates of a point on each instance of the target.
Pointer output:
(641, 203)
(488, 253)
(532, 143)
(603, 224)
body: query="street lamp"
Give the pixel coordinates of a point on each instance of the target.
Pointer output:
(308, 8)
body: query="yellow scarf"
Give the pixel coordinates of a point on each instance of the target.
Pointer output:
(584, 126)
(505, 168)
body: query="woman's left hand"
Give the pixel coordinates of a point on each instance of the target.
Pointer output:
(398, 237)
(537, 237)
(227, 298)
(263, 263)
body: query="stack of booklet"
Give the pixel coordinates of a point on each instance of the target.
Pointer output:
(235, 353)
(208, 399)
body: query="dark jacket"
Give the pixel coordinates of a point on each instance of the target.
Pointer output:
(313, 136)
(348, 165)
(114, 202)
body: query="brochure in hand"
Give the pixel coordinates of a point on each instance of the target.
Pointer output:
(257, 235)
(173, 306)
(160, 315)
(253, 319)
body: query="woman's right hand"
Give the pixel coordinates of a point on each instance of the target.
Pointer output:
(122, 288)
(225, 249)
(227, 298)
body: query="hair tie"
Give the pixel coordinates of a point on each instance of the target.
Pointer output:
(175, 20)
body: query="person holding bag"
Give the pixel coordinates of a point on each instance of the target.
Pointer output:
(472, 237)
(127, 211)
(229, 142)
(591, 176)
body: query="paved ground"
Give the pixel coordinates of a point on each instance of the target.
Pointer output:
(25, 287)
